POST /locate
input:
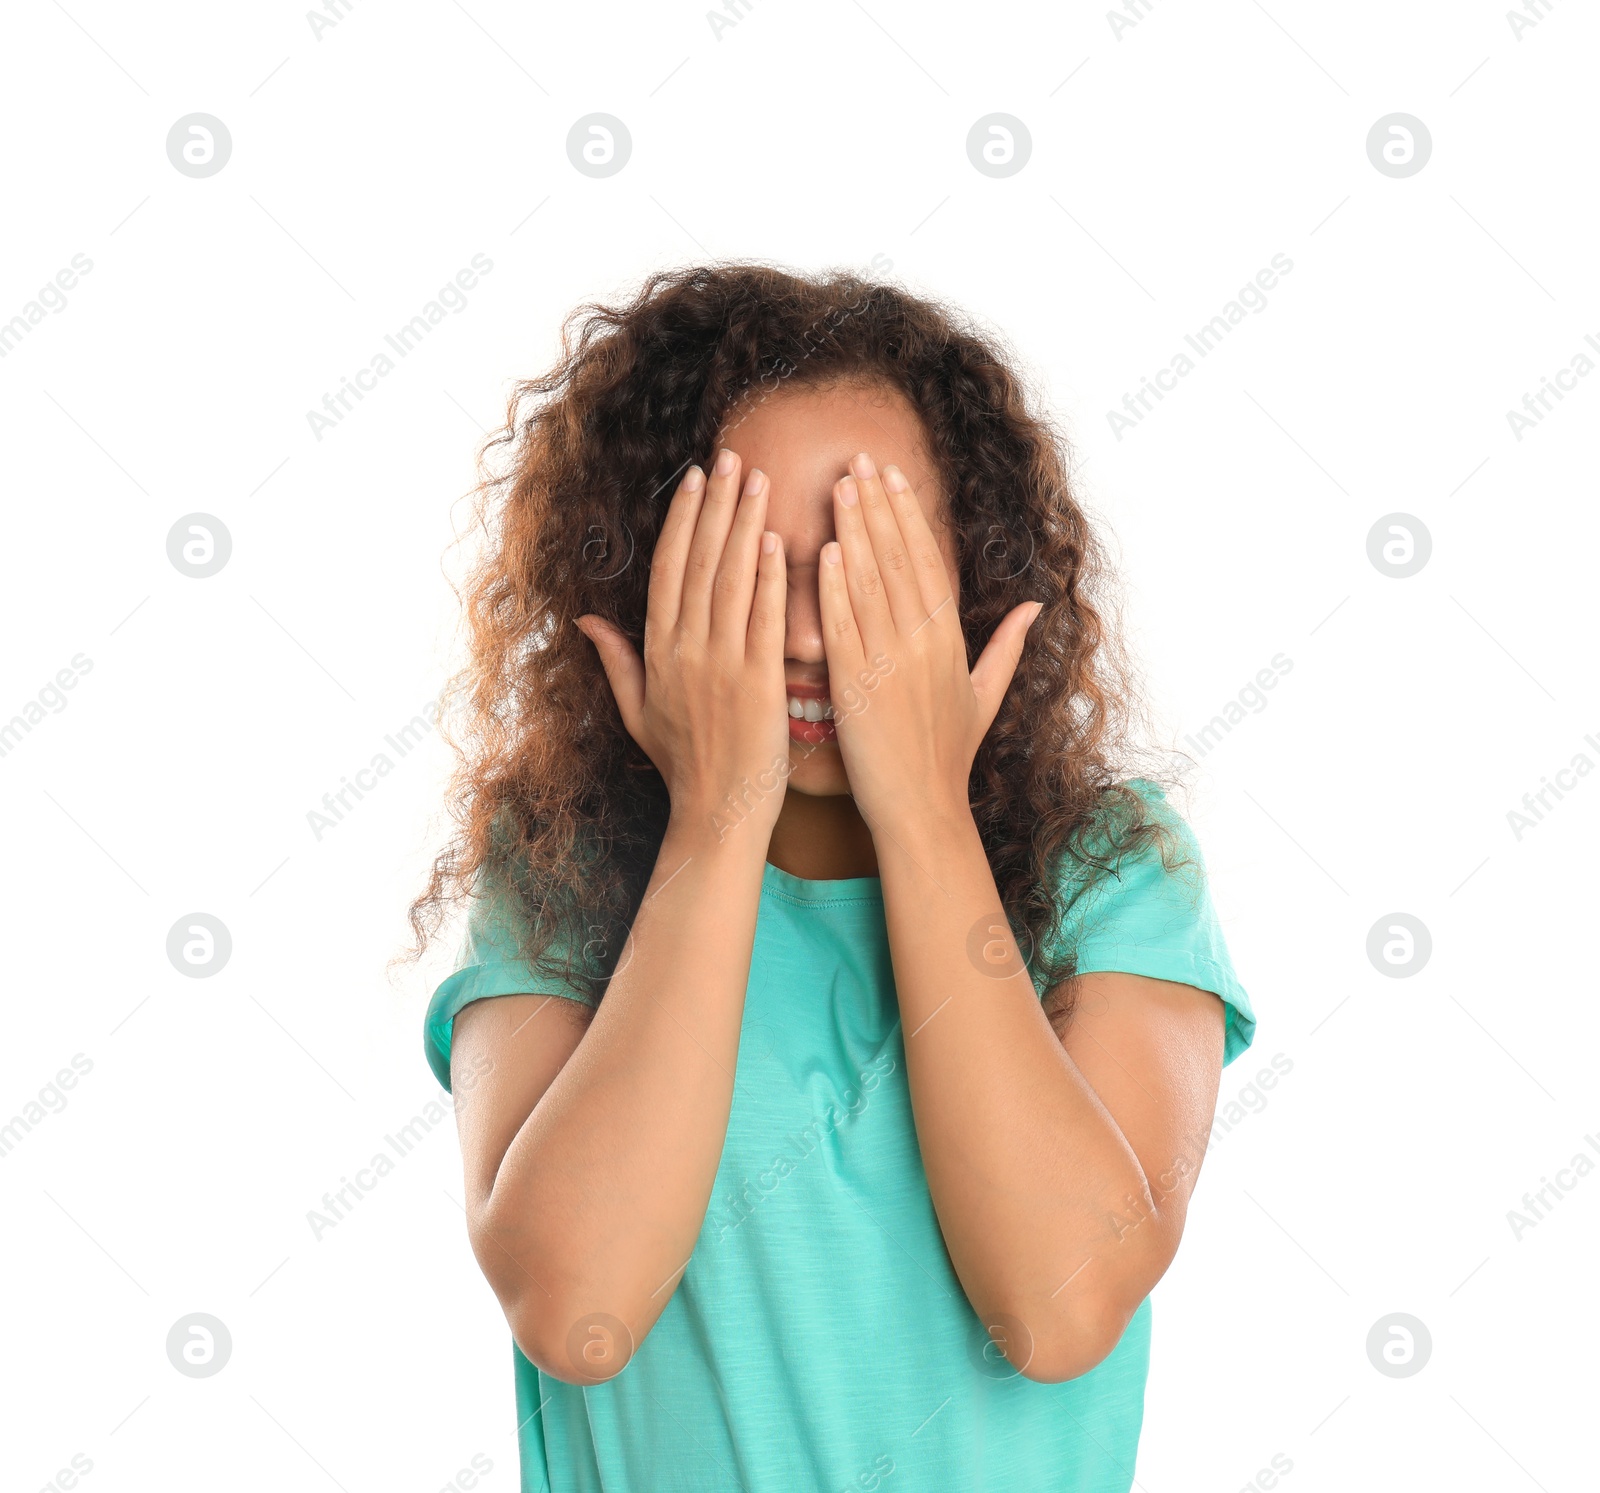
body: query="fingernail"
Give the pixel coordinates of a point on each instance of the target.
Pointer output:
(693, 479)
(769, 543)
(894, 479)
(862, 465)
(1038, 607)
(754, 482)
(726, 461)
(830, 552)
(847, 492)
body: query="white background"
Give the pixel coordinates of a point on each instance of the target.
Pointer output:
(368, 166)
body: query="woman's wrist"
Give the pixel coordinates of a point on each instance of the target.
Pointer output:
(927, 832)
(726, 827)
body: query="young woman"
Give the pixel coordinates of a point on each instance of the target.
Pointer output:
(837, 1035)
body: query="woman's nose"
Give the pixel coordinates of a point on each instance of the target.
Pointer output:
(803, 623)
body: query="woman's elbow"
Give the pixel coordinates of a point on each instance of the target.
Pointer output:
(574, 1318)
(525, 1281)
(572, 1346)
(1071, 1344)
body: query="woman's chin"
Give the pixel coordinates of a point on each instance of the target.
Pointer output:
(817, 771)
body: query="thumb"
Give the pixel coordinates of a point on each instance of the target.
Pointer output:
(997, 664)
(624, 669)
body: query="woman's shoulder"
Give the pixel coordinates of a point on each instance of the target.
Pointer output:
(1147, 909)
(1134, 824)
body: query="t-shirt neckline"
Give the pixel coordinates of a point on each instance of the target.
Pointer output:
(801, 889)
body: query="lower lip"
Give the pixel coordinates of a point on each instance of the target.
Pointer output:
(813, 733)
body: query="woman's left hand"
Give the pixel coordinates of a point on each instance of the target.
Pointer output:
(909, 714)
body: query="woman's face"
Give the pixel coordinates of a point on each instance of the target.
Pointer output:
(804, 438)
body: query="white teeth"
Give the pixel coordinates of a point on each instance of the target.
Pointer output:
(810, 710)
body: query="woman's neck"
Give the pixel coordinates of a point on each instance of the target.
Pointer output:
(822, 839)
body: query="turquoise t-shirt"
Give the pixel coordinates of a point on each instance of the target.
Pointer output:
(819, 1338)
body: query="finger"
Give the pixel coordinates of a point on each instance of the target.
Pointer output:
(889, 547)
(841, 638)
(624, 670)
(736, 575)
(927, 561)
(768, 610)
(997, 664)
(862, 576)
(672, 548)
(705, 550)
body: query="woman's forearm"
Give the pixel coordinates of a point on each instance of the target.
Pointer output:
(1026, 1168)
(600, 1196)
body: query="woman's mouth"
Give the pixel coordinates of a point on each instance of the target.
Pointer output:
(811, 719)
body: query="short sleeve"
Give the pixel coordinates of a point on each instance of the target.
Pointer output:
(1144, 919)
(486, 965)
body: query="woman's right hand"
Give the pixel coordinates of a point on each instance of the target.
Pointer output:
(707, 702)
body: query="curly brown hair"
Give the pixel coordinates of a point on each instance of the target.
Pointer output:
(554, 802)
